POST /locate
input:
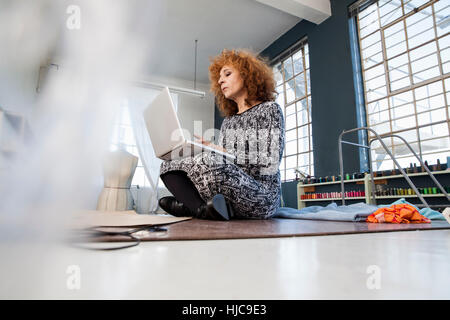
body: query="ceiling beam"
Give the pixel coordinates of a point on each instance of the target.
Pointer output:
(315, 11)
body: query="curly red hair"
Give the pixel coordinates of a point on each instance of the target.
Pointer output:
(254, 70)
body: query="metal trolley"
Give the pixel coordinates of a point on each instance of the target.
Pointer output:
(378, 138)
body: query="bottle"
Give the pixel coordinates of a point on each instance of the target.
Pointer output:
(425, 165)
(410, 168)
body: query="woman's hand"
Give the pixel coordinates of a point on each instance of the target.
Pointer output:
(210, 144)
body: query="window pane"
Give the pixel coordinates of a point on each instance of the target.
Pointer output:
(291, 147)
(280, 98)
(409, 136)
(442, 17)
(376, 94)
(283, 175)
(382, 128)
(303, 131)
(403, 111)
(401, 99)
(430, 103)
(377, 106)
(420, 38)
(378, 117)
(291, 135)
(424, 63)
(290, 94)
(282, 165)
(287, 65)
(298, 62)
(369, 22)
(444, 42)
(403, 123)
(436, 130)
(426, 75)
(415, 27)
(290, 109)
(302, 105)
(302, 117)
(290, 122)
(432, 158)
(368, 15)
(399, 73)
(291, 162)
(300, 86)
(376, 83)
(290, 174)
(432, 116)
(428, 90)
(400, 84)
(423, 51)
(303, 159)
(303, 144)
(396, 28)
(277, 74)
(308, 80)
(396, 49)
(445, 55)
(390, 11)
(405, 161)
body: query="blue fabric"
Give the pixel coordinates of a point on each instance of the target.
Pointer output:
(354, 212)
(426, 212)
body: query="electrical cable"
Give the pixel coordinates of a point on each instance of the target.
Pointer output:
(90, 236)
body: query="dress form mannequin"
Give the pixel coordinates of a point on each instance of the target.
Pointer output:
(118, 168)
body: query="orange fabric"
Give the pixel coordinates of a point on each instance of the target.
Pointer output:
(397, 213)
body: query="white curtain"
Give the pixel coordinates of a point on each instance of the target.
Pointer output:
(138, 100)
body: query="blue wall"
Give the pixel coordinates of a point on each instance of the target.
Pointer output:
(332, 91)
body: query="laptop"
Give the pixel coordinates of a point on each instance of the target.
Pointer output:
(166, 134)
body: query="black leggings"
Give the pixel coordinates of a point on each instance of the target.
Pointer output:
(182, 188)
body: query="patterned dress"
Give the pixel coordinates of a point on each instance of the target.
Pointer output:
(251, 182)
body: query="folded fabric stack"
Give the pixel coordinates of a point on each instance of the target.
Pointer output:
(397, 213)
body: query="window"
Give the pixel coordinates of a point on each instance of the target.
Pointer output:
(405, 59)
(123, 136)
(292, 75)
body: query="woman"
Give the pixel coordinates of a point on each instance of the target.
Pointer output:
(206, 186)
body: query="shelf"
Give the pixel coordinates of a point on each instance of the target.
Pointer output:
(301, 203)
(412, 174)
(329, 182)
(377, 197)
(375, 178)
(410, 196)
(331, 199)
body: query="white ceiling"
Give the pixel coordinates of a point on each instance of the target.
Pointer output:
(173, 25)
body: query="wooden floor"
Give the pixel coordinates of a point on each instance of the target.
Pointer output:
(197, 229)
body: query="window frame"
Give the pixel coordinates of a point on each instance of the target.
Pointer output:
(413, 86)
(117, 142)
(300, 46)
